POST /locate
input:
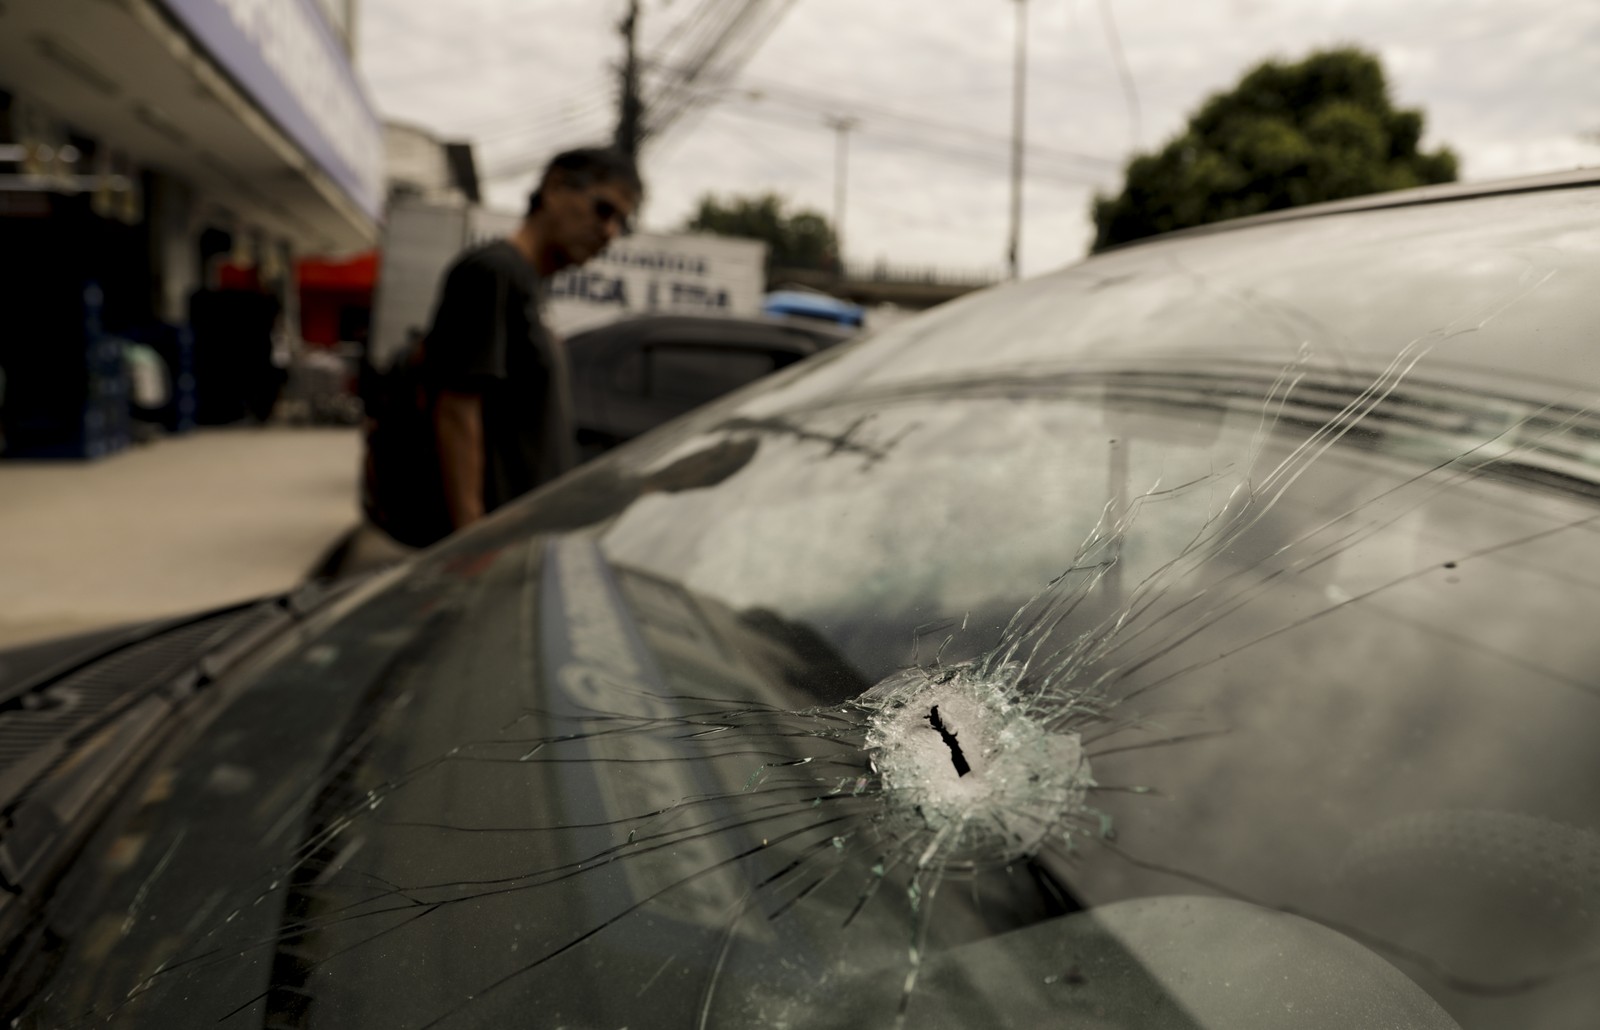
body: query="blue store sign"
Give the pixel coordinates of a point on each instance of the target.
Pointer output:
(288, 59)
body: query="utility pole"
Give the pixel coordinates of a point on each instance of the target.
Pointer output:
(1018, 98)
(841, 126)
(629, 114)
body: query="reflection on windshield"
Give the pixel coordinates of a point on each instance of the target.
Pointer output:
(796, 732)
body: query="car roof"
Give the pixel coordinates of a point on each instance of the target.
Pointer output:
(1440, 194)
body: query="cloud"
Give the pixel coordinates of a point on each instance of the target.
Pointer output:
(1510, 87)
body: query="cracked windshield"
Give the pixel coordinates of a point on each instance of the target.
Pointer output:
(726, 513)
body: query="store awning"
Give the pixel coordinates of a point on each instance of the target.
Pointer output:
(187, 88)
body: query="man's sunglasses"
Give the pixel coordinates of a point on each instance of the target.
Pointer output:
(607, 211)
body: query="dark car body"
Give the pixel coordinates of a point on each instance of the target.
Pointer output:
(1200, 636)
(637, 373)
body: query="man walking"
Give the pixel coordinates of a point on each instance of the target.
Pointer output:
(503, 417)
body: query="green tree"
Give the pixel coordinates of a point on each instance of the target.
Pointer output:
(1288, 134)
(802, 239)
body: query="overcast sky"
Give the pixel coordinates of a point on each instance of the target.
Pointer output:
(1512, 87)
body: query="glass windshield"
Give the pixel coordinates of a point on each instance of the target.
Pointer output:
(1198, 637)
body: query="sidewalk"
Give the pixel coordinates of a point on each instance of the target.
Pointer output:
(182, 524)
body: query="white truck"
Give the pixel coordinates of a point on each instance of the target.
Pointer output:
(645, 272)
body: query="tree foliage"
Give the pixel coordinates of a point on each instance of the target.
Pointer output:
(802, 239)
(1288, 134)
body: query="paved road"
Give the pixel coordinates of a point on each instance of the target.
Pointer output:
(182, 524)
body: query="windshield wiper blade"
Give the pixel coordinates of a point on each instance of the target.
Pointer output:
(68, 739)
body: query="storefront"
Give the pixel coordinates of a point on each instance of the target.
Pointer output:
(163, 163)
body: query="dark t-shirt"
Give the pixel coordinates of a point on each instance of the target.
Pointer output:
(488, 339)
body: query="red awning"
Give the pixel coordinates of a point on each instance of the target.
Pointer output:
(357, 273)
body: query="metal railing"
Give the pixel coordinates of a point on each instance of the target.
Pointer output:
(883, 271)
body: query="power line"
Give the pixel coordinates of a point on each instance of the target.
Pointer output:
(832, 105)
(721, 54)
(972, 147)
(1130, 90)
(986, 158)
(553, 114)
(683, 24)
(691, 87)
(765, 150)
(708, 24)
(702, 24)
(712, 22)
(925, 131)
(876, 209)
(502, 51)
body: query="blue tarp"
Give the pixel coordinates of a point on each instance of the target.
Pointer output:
(813, 305)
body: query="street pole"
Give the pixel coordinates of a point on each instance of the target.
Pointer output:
(1019, 94)
(628, 117)
(841, 127)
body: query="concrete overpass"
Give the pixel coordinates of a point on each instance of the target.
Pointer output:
(908, 287)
